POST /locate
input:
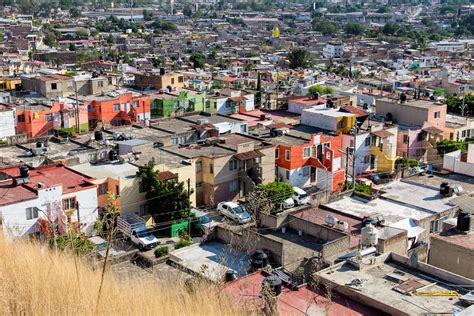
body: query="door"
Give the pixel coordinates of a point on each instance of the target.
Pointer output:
(320, 152)
(372, 162)
(313, 175)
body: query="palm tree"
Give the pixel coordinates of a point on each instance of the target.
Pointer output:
(149, 175)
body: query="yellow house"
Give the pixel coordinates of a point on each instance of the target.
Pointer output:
(9, 84)
(384, 148)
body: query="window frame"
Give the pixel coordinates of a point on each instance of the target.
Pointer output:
(31, 213)
(287, 155)
(308, 154)
(68, 201)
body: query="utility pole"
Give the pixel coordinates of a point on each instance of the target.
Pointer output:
(347, 167)
(78, 218)
(78, 128)
(189, 211)
(354, 158)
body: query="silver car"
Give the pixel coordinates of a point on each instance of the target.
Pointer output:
(234, 211)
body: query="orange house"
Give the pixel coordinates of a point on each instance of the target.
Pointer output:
(315, 161)
(36, 120)
(116, 109)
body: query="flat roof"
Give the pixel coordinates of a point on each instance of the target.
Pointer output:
(454, 236)
(435, 180)
(107, 170)
(411, 102)
(415, 194)
(217, 257)
(377, 286)
(329, 112)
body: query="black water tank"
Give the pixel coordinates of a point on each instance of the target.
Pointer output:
(230, 275)
(272, 284)
(464, 221)
(39, 144)
(445, 190)
(98, 135)
(403, 97)
(162, 71)
(259, 259)
(24, 171)
(113, 155)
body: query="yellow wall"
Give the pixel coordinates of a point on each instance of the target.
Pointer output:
(349, 123)
(9, 83)
(384, 162)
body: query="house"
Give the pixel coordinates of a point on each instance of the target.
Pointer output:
(307, 156)
(421, 125)
(176, 103)
(49, 85)
(329, 119)
(297, 104)
(117, 108)
(228, 167)
(36, 199)
(227, 101)
(37, 118)
(390, 281)
(458, 127)
(97, 65)
(333, 50)
(459, 162)
(7, 121)
(159, 81)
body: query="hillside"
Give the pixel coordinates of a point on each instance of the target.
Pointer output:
(36, 281)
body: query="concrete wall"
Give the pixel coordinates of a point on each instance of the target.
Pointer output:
(453, 163)
(313, 229)
(397, 244)
(7, 123)
(452, 257)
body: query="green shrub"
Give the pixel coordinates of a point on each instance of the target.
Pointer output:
(65, 132)
(407, 162)
(277, 192)
(364, 189)
(182, 243)
(82, 246)
(161, 252)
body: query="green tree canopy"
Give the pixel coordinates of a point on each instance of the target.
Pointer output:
(325, 26)
(276, 192)
(198, 59)
(320, 89)
(298, 57)
(354, 28)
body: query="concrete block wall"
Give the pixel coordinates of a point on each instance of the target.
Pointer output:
(313, 229)
(335, 248)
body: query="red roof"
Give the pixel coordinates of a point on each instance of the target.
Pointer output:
(352, 109)
(49, 176)
(246, 292)
(308, 100)
(238, 99)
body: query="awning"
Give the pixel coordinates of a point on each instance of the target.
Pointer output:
(408, 224)
(167, 175)
(433, 130)
(249, 155)
(382, 133)
(238, 99)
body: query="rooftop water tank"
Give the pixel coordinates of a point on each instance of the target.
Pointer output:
(98, 136)
(259, 259)
(464, 221)
(272, 284)
(370, 235)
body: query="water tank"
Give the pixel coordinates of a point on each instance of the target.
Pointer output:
(330, 220)
(259, 259)
(342, 225)
(315, 95)
(113, 155)
(162, 71)
(39, 144)
(272, 285)
(457, 189)
(98, 135)
(370, 235)
(403, 97)
(464, 221)
(24, 171)
(230, 275)
(445, 189)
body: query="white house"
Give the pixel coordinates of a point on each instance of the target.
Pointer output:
(7, 121)
(459, 162)
(36, 199)
(333, 50)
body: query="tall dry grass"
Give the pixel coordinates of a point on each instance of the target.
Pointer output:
(37, 281)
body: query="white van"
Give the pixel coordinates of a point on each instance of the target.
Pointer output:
(300, 196)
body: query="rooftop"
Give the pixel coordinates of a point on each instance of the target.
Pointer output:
(390, 282)
(454, 236)
(107, 170)
(329, 112)
(412, 103)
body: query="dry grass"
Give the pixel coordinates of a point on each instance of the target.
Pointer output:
(36, 281)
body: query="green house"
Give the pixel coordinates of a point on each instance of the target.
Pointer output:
(175, 103)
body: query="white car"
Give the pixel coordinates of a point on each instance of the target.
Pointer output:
(300, 196)
(288, 203)
(234, 211)
(203, 220)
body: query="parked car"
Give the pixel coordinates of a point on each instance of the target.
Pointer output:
(133, 227)
(203, 221)
(300, 196)
(288, 203)
(378, 178)
(234, 212)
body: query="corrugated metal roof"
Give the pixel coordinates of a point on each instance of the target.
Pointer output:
(465, 203)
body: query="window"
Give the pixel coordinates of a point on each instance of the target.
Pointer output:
(174, 141)
(31, 213)
(48, 117)
(340, 124)
(233, 185)
(211, 168)
(180, 79)
(21, 118)
(116, 107)
(135, 104)
(90, 108)
(198, 166)
(54, 86)
(117, 122)
(406, 139)
(287, 174)
(435, 226)
(117, 190)
(327, 145)
(243, 129)
(419, 137)
(287, 155)
(367, 142)
(232, 165)
(141, 187)
(172, 80)
(69, 204)
(100, 84)
(208, 104)
(437, 114)
(306, 171)
(182, 139)
(463, 134)
(102, 188)
(367, 159)
(306, 152)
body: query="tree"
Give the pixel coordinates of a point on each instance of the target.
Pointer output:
(390, 28)
(157, 62)
(325, 26)
(168, 199)
(147, 15)
(49, 39)
(110, 40)
(354, 28)
(298, 57)
(198, 59)
(72, 47)
(320, 89)
(446, 146)
(258, 95)
(187, 11)
(74, 12)
(276, 192)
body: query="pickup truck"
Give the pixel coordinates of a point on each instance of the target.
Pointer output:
(133, 227)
